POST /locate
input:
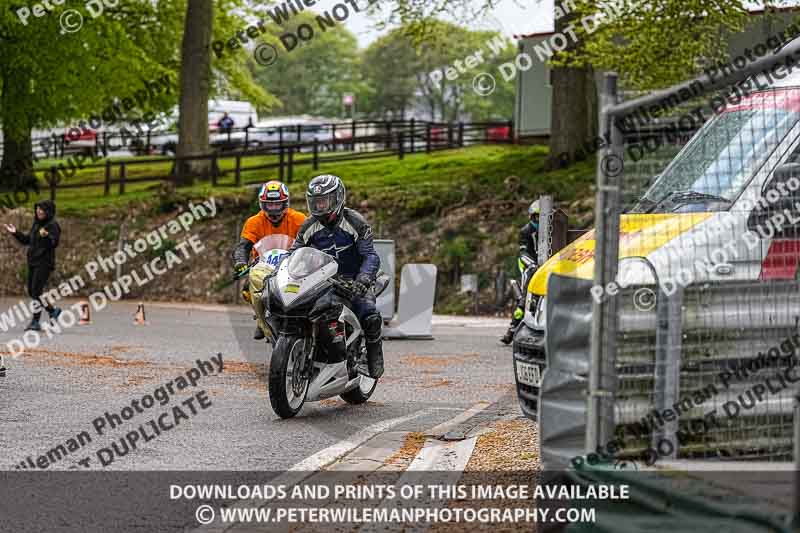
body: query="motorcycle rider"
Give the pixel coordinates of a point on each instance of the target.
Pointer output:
(528, 237)
(274, 226)
(344, 234)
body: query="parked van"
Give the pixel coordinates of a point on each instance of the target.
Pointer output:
(722, 210)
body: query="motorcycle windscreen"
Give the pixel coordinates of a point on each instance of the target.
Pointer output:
(305, 261)
(300, 277)
(276, 241)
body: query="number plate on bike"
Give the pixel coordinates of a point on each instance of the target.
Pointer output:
(529, 374)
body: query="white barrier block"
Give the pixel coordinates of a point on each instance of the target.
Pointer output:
(385, 303)
(415, 306)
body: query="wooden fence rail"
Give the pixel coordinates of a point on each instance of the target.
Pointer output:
(403, 139)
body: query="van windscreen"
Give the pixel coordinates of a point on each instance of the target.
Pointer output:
(719, 161)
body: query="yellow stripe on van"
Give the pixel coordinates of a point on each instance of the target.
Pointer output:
(640, 235)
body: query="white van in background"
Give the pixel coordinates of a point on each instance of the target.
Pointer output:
(242, 113)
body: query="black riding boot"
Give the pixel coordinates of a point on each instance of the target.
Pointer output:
(519, 314)
(372, 336)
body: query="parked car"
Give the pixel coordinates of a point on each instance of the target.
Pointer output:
(79, 140)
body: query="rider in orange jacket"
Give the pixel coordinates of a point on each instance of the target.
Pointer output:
(274, 226)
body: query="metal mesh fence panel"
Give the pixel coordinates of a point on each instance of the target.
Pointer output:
(702, 311)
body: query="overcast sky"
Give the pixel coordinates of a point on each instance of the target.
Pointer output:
(510, 17)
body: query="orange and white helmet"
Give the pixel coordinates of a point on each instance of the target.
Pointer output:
(274, 200)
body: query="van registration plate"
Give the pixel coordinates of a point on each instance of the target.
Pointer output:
(529, 374)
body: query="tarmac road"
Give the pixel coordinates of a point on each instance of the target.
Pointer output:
(56, 391)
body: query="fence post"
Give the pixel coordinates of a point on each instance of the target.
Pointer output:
(107, 185)
(316, 153)
(147, 146)
(510, 131)
(122, 175)
(53, 182)
(246, 137)
(449, 134)
(353, 135)
(388, 135)
(105, 143)
(401, 149)
(543, 245)
(299, 129)
(291, 162)
(280, 138)
(667, 372)
(428, 137)
(602, 369)
(333, 137)
(280, 164)
(461, 134)
(411, 147)
(238, 176)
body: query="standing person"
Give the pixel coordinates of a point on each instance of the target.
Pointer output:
(527, 263)
(42, 242)
(344, 234)
(274, 226)
(225, 123)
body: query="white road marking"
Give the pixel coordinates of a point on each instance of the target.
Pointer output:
(444, 427)
(313, 464)
(437, 456)
(327, 456)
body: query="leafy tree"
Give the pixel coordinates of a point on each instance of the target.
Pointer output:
(390, 67)
(653, 44)
(48, 76)
(313, 74)
(399, 67)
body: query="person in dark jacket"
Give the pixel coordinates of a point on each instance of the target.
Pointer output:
(42, 242)
(345, 234)
(527, 263)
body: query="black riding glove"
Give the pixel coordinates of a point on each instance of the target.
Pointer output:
(361, 284)
(238, 268)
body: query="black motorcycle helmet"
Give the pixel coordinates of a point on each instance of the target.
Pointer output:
(325, 196)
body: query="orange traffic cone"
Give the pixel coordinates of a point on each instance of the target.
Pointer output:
(86, 316)
(138, 318)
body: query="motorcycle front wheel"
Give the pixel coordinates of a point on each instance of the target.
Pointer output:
(287, 384)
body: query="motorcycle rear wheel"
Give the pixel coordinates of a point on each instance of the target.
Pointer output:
(287, 389)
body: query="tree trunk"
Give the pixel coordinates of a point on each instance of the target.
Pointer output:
(16, 172)
(574, 111)
(195, 84)
(574, 105)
